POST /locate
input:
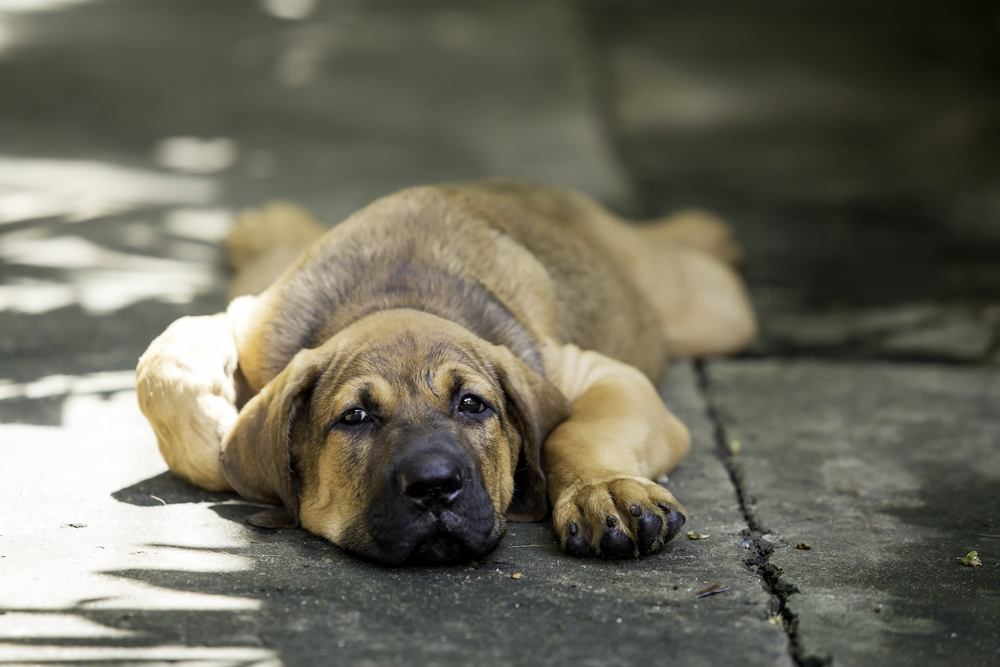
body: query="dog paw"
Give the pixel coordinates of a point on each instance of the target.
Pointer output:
(619, 517)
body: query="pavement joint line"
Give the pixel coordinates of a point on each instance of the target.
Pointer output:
(759, 548)
(847, 353)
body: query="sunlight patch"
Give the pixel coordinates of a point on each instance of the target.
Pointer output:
(201, 224)
(102, 280)
(194, 155)
(15, 6)
(62, 385)
(40, 624)
(201, 655)
(290, 10)
(82, 189)
(35, 296)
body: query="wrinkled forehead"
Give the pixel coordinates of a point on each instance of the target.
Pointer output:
(390, 369)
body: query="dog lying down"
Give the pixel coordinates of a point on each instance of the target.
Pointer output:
(444, 360)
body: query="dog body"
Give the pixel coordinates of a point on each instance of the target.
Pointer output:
(444, 357)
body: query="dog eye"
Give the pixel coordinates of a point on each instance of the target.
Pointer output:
(354, 416)
(471, 404)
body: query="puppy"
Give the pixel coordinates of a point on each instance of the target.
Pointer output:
(445, 359)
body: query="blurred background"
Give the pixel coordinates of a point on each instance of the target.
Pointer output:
(853, 145)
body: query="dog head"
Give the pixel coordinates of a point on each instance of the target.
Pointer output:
(405, 438)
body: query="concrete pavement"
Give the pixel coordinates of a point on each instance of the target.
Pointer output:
(860, 172)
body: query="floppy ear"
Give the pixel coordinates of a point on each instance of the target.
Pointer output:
(537, 407)
(257, 453)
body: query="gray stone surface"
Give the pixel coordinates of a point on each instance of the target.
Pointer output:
(855, 148)
(107, 558)
(136, 128)
(909, 332)
(890, 474)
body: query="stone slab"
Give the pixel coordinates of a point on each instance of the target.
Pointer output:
(107, 557)
(890, 473)
(855, 153)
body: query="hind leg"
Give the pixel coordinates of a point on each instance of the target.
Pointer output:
(701, 230)
(265, 241)
(686, 269)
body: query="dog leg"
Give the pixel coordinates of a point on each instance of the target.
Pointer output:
(698, 229)
(265, 241)
(600, 462)
(187, 387)
(702, 302)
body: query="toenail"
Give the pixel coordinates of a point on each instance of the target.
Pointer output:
(573, 528)
(635, 510)
(611, 521)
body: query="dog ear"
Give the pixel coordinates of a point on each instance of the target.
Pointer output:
(537, 407)
(257, 453)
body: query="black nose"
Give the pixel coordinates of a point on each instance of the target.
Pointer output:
(433, 478)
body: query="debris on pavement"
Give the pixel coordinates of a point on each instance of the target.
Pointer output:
(517, 575)
(802, 546)
(694, 535)
(712, 589)
(971, 559)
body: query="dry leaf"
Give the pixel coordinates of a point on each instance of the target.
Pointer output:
(693, 535)
(712, 589)
(971, 559)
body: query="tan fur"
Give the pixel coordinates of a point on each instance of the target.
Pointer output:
(589, 309)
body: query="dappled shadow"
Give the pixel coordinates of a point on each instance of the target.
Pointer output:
(302, 600)
(237, 512)
(167, 489)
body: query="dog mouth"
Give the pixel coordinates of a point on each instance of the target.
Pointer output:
(435, 519)
(447, 538)
(434, 539)
(440, 549)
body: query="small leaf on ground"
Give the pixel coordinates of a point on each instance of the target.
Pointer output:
(971, 559)
(712, 589)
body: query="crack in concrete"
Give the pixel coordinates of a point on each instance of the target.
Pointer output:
(756, 536)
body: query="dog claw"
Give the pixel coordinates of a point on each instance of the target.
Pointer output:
(675, 521)
(616, 544)
(575, 545)
(647, 531)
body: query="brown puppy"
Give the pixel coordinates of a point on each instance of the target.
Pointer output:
(444, 358)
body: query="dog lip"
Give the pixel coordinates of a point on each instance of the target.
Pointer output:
(400, 533)
(439, 538)
(440, 548)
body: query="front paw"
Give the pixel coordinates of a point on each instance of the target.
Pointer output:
(617, 517)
